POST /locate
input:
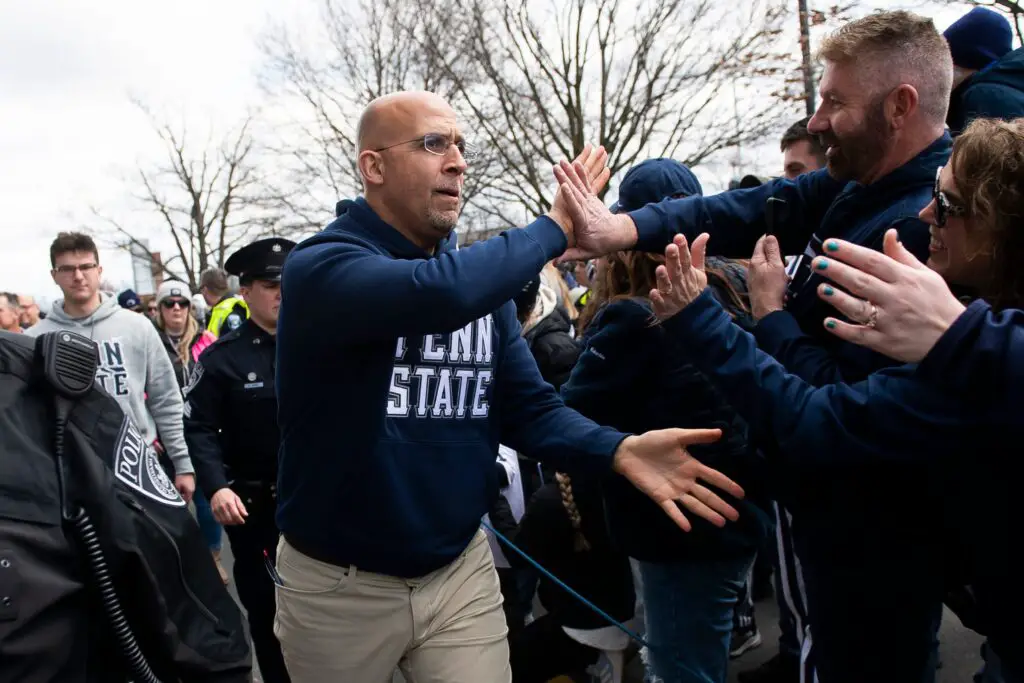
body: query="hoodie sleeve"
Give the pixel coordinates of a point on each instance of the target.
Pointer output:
(736, 219)
(536, 422)
(888, 416)
(163, 399)
(981, 354)
(345, 282)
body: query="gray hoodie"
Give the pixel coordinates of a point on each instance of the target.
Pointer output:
(134, 369)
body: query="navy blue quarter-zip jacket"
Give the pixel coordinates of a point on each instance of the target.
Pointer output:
(899, 484)
(398, 374)
(817, 208)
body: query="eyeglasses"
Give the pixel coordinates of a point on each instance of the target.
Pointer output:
(175, 303)
(944, 207)
(439, 144)
(70, 270)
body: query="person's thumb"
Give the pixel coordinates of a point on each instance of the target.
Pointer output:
(772, 251)
(758, 255)
(894, 249)
(690, 437)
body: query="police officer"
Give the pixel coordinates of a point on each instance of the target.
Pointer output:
(227, 310)
(232, 433)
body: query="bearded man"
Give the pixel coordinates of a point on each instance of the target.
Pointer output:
(884, 95)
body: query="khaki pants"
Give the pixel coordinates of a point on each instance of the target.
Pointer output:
(341, 625)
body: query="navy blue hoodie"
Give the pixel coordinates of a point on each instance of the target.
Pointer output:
(902, 481)
(398, 373)
(996, 92)
(817, 207)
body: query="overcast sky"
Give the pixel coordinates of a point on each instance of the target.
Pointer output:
(69, 130)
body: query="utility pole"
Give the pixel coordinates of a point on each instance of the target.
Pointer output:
(805, 48)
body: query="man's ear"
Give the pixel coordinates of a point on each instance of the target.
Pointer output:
(371, 167)
(901, 104)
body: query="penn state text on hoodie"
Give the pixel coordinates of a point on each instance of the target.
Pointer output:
(900, 485)
(398, 374)
(817, 207)
(134, 369)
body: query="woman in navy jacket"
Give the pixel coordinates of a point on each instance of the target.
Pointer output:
(630, 376)
(956, 436)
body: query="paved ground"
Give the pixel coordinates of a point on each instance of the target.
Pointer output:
(958, 650)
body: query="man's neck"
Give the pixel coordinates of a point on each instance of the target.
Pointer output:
(391, 219)
(81, 310)
(902, 153)
(16, 328)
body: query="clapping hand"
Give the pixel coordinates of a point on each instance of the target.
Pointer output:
(592, 166)
(596, 230)
(682, 278)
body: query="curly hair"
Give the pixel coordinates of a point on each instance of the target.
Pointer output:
(988, 167)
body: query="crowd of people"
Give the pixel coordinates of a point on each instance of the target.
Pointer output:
(801, 386)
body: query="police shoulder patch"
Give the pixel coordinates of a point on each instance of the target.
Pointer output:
(137, 466)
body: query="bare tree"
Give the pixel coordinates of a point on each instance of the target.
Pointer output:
(366, 51)
(206, 196)
(537, 81)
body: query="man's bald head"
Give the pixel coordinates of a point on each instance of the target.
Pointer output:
(387, 118)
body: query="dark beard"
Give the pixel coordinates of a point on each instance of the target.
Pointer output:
(860, 151)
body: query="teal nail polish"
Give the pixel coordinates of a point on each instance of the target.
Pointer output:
(832, 245)
(829, 291)
(822, 264)
(830, 324)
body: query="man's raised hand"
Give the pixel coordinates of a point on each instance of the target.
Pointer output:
(596, 230)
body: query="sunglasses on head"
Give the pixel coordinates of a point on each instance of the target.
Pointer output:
(174, 303)
(945, 208)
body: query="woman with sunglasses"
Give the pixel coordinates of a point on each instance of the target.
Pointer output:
(959, 439)
(184, 340)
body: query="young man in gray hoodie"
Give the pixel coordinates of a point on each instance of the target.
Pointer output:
(134, 368)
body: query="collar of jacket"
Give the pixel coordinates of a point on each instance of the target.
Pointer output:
(364, 222)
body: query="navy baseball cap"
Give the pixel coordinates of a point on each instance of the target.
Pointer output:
(128, 299)
(654, 180)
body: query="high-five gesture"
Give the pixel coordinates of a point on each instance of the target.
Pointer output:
(593, 165)
(597, 230)
(659, 465)
(682, 278)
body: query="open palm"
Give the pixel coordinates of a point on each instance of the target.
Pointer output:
(658, 464)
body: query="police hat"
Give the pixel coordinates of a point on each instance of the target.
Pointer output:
(261, 260)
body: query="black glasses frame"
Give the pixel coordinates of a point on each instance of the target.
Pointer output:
(944, 208)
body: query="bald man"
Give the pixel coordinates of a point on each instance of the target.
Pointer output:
(400, 368)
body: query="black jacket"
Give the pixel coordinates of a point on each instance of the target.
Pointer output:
(633, 377)
(996, 92)
(53, 628)
(553, 347)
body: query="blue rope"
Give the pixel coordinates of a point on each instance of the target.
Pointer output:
(604, 615)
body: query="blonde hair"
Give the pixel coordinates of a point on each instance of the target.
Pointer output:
(580, 544)
(555, 279)
(185, 341)
(895, 48)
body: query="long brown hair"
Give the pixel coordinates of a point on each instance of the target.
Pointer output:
(988, 167)
(630, 274)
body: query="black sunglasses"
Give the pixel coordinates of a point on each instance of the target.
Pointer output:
(944, 207)
(174, 303)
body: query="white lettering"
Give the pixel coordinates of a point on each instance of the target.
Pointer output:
(398, 395)
(443, 395)
(480, 406)
(424, 373)
(464, 377)
(484, 341)
(460, 348)
(429, 353)
(400, 349)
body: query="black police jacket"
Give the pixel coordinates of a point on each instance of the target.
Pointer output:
(231, 410)
(52, 627)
